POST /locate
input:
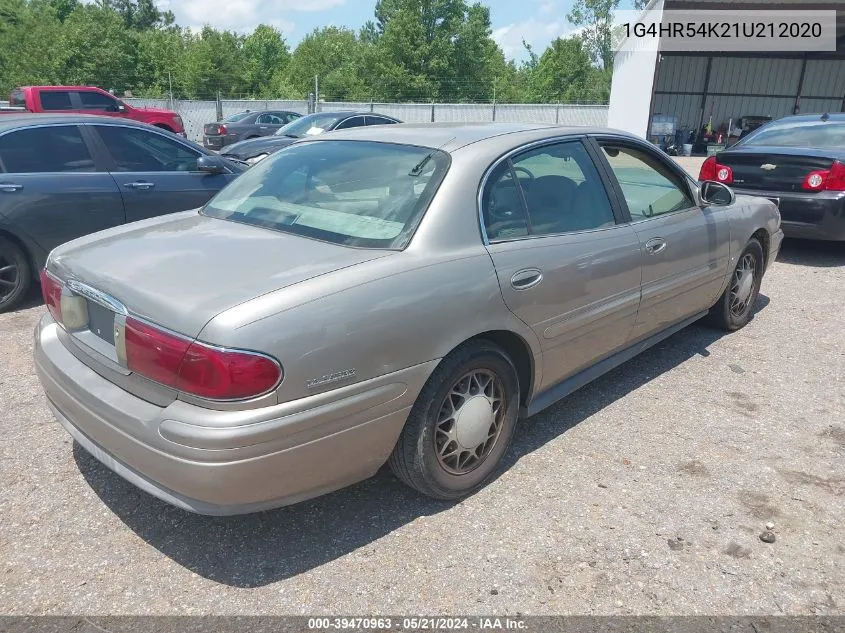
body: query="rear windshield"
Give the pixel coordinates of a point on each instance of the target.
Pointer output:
(17, 99)
(816, 134)
(354, 193)
(232, 118)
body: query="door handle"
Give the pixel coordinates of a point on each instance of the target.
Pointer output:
(8, 187)
(525, 279)
(655, 245)
(142, 185)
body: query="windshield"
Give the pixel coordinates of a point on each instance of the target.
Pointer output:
(236, 117)
(816, 134)
(310, 125)
(354, 193)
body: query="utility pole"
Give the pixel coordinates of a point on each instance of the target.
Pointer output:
(316, 92)
(170, 81)
(494, 101)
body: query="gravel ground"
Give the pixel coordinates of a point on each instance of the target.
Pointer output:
(643, 493)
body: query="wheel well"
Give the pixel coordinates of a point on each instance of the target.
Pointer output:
(20, 244)
(520, 354)
(163, 126)
(762, 236)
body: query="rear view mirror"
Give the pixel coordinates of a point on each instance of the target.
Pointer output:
(211, 165)
(716, 194)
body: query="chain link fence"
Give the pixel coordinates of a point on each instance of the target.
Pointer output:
(195, 114)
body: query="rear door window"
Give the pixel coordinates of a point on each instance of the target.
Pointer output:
(356, 121)
(134, 149)
(55, 100)
(378, 120)
(49, 149)
(546, 191)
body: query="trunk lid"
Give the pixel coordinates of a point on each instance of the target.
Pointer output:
(773, 168)
(183, 270)
(212, 129)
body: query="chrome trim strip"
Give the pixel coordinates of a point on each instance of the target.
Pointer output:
(101, 298)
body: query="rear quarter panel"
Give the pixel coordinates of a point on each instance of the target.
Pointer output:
(375, 318)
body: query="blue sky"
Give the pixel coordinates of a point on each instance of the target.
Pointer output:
(536, 21)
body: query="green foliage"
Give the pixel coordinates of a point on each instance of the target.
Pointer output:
(413, 50)
(595, 17)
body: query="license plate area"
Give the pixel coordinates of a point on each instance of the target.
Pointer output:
(101, 322)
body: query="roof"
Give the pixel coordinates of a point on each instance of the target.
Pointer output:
(8, 121)
(453, 136)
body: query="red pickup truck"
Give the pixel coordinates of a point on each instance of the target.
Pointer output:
(88, 100)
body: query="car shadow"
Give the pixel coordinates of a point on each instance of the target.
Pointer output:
(259, 549)
(812, 253)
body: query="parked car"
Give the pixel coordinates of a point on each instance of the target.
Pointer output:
(394, 294)
(797, 162)
(244, 126)
(311, 125)
(88, 100)
(63, 176)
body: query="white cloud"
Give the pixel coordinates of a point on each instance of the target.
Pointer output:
(242, 15)
(535, 31)
(547, 8)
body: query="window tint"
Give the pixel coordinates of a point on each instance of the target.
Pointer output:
(356, 121)
(138, 150)
(97, 101)
(45, 149)
(55, 100)
(650, 187)
(347, 192)
(561, 190)
(378, 120)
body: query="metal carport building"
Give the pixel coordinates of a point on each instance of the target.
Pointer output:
(695, 87)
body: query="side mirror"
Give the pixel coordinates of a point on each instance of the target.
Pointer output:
(211, 165)
(716, 194)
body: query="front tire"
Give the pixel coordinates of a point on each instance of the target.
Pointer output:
(461, 423)
(733, 309)
(15, 274)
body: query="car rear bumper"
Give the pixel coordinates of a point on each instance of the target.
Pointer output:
(815, 216)
(218, 142)
(228, 462)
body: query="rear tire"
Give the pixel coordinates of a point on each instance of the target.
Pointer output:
(461, 423)
(733, 309)
(15, 274)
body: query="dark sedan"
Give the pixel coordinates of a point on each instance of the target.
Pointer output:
(64, 176)
(797, 162)
(257, 149)
(245, 125)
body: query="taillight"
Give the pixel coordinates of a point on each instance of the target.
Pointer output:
(221, 129)
(196, 368)
(51, 290)
(832, 179)
(712, 170)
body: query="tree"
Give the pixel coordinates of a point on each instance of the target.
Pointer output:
(565, 74)
(595, 18)
(266, 56)
(95, 49)
(333, 54)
